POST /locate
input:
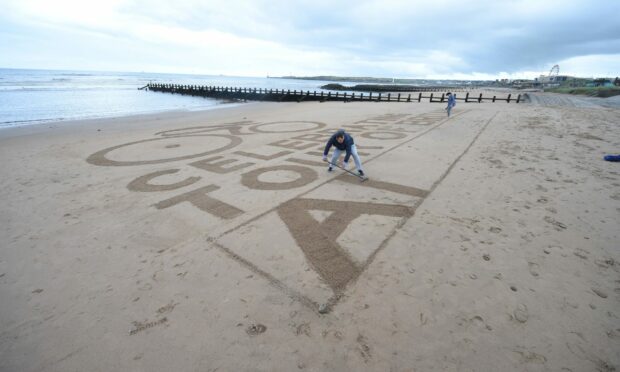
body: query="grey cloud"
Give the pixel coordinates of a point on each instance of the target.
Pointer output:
(375, 36)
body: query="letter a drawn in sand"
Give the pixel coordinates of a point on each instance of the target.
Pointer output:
(318, 240)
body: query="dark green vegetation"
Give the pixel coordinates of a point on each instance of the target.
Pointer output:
(588, 91)
(389, 88)
(373, 80)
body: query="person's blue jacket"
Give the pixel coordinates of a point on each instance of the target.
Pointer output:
(344, 146)
(451, 100)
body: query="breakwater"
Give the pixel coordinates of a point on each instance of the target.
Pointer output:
(281, 95)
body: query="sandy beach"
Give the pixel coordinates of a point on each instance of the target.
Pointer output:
(209, 241)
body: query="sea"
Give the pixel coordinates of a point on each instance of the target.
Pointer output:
(30, 97)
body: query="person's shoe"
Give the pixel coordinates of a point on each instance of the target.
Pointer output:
(330, 169)
(361, 172)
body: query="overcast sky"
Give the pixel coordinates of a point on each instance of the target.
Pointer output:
(384, 38)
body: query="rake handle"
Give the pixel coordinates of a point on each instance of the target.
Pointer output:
(344, 169)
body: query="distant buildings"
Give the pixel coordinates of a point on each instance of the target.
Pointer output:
(554, 81)
(602, 82)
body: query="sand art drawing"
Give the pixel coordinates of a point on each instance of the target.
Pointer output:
(277, 162)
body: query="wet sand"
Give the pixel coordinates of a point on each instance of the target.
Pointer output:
(217, 240)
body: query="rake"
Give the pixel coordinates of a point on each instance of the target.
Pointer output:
(362, 178)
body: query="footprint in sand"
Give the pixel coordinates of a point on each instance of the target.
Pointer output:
(581, 253)
(579, 352)
(533, 268)
(521, 314)
(599, 292)
(552, 248)
(614, 334)
(363, 348)
(606, 263)
(495, 229)
(167, 308)
(476, 320)
(303, 329)
(141, 326)
(255, 329)
(531, 357)
(559, 226)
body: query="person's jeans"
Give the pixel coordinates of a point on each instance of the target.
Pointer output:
(449, 108)
(354, 155)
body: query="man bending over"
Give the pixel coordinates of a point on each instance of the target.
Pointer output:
(342, 141)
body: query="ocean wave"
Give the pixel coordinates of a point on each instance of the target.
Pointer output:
(13, 88)
(76, 74)
(18, 122)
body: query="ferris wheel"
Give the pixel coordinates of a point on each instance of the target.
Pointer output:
(553, 73)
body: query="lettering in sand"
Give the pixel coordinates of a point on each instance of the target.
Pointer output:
(278, 162)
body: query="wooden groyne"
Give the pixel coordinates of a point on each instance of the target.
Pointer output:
(281, 95)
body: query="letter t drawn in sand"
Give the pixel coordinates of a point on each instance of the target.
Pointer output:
(318, 240)
(202, 201)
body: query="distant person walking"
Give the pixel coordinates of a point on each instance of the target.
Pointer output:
(451, 102)
(342, 141)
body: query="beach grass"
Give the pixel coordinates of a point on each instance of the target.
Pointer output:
(588, 91)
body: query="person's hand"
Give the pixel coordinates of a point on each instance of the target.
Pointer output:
(324, 158)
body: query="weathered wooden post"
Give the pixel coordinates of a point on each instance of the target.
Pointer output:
(431, 99)
(409, 98)
(370, 98)
(518, 98)
(508, 99)
(345, 96)
(398, 97)
(389, 97)
(379, 99)
(420, 97)
(480, 98)
(467, 97)
(442, 96)
(493, 99)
